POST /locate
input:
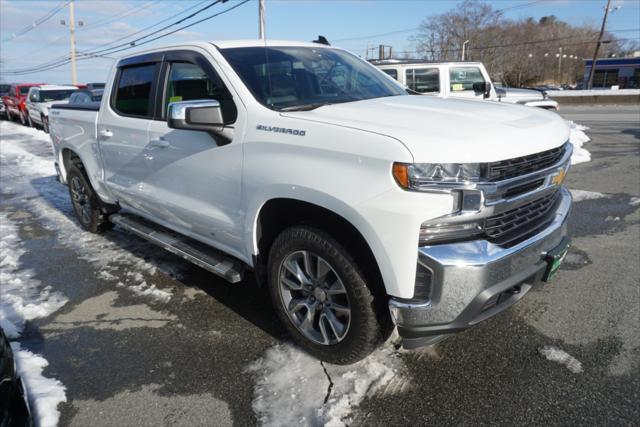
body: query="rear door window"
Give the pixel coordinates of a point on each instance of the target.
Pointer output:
(463, 78)
(133, 91)
(423, 80)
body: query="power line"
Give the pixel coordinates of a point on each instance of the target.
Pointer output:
(119, 15)
(94, 54)
(37, 22)
(151, 26)
(62, 60)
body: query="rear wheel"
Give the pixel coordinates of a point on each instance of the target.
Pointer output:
(23, 118)
(322, 297)
(86, 203)
(31, 124)
(45, 124)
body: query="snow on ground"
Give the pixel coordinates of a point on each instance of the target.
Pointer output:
(554, 354)
(35, 175)
(293, 388)
(580, 195)
(44, 393)
(23, 297)
(635, 201)
(578, 138)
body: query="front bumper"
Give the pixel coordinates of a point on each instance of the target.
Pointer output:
(472, 281)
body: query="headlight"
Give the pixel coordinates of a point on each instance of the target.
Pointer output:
(416, 176)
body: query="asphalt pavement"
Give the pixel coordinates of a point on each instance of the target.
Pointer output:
(147, 339)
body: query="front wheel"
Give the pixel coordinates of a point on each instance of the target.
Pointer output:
(45, 124)
(86, 203)
(23, 119)
(321, 296)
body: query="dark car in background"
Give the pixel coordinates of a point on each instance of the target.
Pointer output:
(14, 407)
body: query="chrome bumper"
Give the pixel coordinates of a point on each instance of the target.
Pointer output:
(466, 276)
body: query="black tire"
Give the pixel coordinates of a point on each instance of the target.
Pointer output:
(23, 119)
(45, 124)
(30, 122)
(365, 331)
(85, 202)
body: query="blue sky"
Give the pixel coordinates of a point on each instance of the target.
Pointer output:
(348, 23)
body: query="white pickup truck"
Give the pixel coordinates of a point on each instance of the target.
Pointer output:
(468, 80)
(360, 206)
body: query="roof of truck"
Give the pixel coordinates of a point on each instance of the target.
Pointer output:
(413, 62)
(57, 87)
(225, 44)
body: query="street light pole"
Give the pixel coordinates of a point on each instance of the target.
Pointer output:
(72, 33)
(464, 45)
(261, 18)
(595, 54)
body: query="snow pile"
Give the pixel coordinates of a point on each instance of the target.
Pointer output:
(578, 138)
(23, 297)
(554, 354)
(44, 393)
(294, 388)
(580, 195)
(143, 289)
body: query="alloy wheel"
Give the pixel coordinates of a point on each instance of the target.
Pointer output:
(81, 200)
(314, 297)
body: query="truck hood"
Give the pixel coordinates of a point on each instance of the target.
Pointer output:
(527, 94)
(449, 130)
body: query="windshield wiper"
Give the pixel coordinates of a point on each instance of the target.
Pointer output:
(305, 107)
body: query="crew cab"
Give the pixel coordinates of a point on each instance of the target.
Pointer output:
(360, 206)
(40, 99)
(468, 80)
(15, 101)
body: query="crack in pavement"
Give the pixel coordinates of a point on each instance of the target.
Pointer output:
(328, 395)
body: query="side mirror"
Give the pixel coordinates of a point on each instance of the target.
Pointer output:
(203, 115)
(482, 87)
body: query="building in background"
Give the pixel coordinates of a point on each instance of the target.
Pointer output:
(623, 72)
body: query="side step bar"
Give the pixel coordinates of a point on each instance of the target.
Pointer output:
(201, 255)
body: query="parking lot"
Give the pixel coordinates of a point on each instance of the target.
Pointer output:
(146, 338)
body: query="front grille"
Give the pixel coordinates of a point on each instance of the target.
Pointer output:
(515, 225)
(519, 166)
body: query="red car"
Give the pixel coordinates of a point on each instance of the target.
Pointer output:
(15, 101)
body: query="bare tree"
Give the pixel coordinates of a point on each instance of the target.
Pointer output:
(518, 52)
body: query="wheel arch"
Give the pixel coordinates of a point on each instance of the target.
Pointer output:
(279, 213)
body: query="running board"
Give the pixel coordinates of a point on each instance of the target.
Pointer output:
(201, 255)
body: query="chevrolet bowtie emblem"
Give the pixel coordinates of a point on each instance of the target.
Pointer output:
(559, 178)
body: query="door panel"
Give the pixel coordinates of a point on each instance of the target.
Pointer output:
(197, 174)
(199, 182)
(122, 135)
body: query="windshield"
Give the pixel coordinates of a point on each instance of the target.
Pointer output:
(24, 90)
(55, 95)
(303, 78)
(4, 89)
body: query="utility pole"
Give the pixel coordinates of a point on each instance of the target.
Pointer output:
(560, 66)
(464, 45)
(72, 33)
(261, 17)
(595, 54)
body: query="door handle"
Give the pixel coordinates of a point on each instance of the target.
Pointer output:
(105, 133)
(159, 142)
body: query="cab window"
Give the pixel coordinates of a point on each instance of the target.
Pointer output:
(133, 91)
(463, 78)
(423, 80)
(189, 82)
